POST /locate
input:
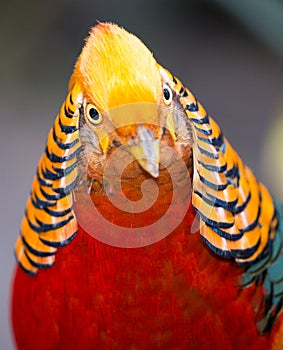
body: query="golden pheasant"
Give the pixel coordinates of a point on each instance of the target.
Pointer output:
(163, 238)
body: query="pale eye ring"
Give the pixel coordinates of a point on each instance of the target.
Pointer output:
(167, 95)
(93, 114)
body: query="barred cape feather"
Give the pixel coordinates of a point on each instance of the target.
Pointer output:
(49, 221)
(237, 214)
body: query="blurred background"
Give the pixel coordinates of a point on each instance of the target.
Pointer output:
(229, 53)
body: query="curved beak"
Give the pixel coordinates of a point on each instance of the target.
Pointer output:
(146, 150)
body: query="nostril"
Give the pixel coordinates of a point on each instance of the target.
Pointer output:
(116, 143)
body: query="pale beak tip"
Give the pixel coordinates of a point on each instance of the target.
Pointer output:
(153, 170)
(151, 167)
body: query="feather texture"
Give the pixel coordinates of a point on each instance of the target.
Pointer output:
(237, 213)
(49, 221)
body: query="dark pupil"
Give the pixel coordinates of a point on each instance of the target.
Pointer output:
(166, 94)
(93, 114)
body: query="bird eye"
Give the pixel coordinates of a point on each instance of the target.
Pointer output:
(93, 115)
(167, 95)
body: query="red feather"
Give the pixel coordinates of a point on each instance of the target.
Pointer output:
(174, 294)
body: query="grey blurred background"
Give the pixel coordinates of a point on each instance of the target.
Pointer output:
(229, 53)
